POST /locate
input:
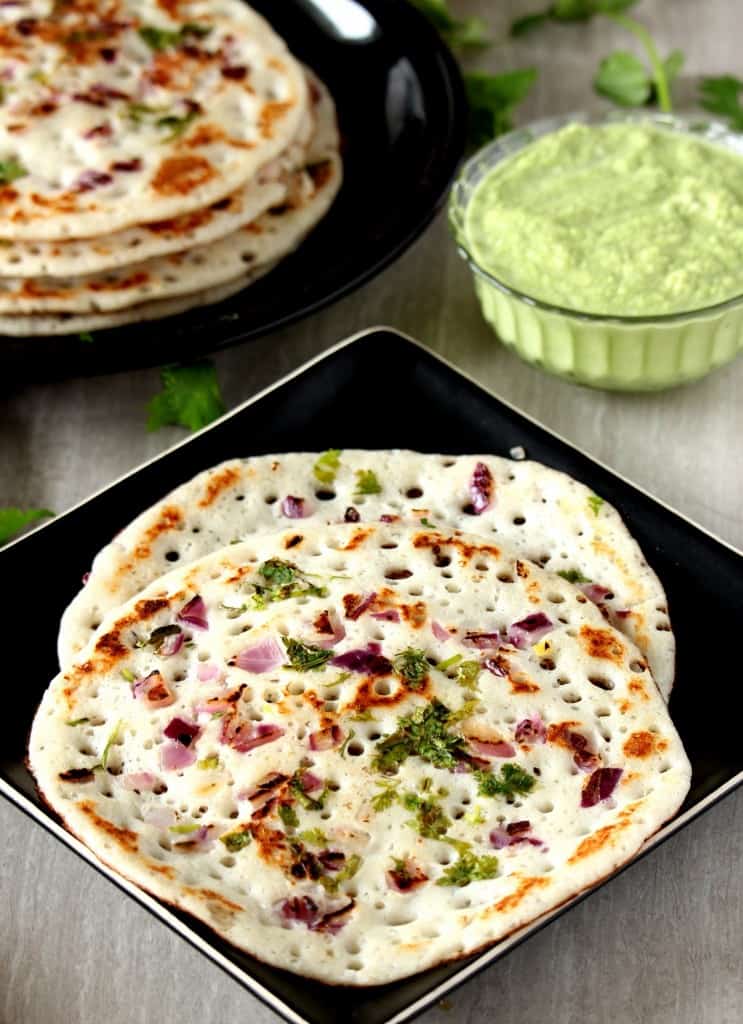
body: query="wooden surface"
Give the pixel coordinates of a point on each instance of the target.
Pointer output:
(661, 944)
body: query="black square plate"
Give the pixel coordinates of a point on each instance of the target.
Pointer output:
(430, 407)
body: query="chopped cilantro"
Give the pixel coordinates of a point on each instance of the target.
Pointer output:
(423, 733)
(288, 815)
(492, 100)
(128, 675)
(236, 841)
(512, 780)
(595, 503)
(332, 883)
(77, 721)
(469, 868)
(278, 572)
(364, 716)
(13, 520)
(366, 482)
(11, 170)
(162, 38)
(476, 816)
(385, 798)
(158, 637)
(412, 666)
(114, 735)
(428, 523)
(430, 820)
(177, 125)
(296, 788)
(573, 576)
(190, 397)
(468, 673)
(327, 465)
(468, 708)
(183, 830)
(721, 95)
(456, 32)
(284, 581)
(346, 741)
(208, 763)
(314, 836)
(305, 657)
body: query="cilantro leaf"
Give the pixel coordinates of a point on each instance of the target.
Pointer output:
(367, 482)
(412, 665)
(595, 503)
(385, 798)
(430, 820)
(492, 100)
(469, 868)
(512, 780)
(160, 39)
(568, 10)
(624, 79)
(190, 397)
(721, 95)
(468, 673)
(332, 883)
(573, 576)
(236, 841)
(313, 836)
(278, 571)
(208, 763)
(305, 657)
(423, 733)
(327, 465)
(456, 32)
(288, 815)
(11, 170)
(13, 520)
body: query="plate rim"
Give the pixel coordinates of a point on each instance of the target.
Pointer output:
(482, 960)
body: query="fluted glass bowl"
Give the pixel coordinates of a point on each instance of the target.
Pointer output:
(615, 352)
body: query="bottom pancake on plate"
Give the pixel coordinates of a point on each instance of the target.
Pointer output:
(357, 751)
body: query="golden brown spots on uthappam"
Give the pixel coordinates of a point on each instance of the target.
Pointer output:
(512, 900)
(414, 614)
(170, 518)
(366, 696)
(517, 680)
(321, 173)
(643, 744)
(218, 483)
(124, 284)
(466, 550)
(637, 687)
(633, 590)
(181, 175)
(604, 836)
(161, 869)
(271, 113)
(209, 896)
(602, 643)
(124, 837)
(358, 539)
(294, 541)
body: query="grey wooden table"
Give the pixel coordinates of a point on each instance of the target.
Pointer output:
(660, 945)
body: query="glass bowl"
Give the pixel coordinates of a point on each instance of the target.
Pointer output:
(614, 352)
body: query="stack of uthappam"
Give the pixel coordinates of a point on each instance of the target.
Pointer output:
(364, 712)
(155, 155)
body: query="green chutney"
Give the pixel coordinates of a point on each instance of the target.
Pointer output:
(620, 219)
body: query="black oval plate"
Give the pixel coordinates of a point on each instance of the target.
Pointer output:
(403, 116)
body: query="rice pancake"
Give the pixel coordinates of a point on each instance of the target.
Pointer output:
(73, 257)
(544, 515)
(358, 751)
(146, 105)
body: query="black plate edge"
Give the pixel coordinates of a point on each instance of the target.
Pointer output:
(482, 961)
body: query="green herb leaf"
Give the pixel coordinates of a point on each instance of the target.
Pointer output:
(87, 337)
(442, 666)
(721, 95)
(457, 33)
(305, 657)
(13, 520)
(492, 100)
(430, 820)
(128, 675)
(236, 841)
(522, 26)
(278, 572)
(327, 466)
(573, 576)
(177, 125)
(595, 503)
(160, 39)
(366, 482)
(183, 830)
(425, 734)
(511, 780)
(114, 735)
(469, 868)
(296, 788)
(468, 673)
(77, 721)
(385, 798)
(364, 716)
(346, 741)
(313, 836)
(190, 397)
(11, 170)
(288, 815)
(412, 666)
(428, 523)
(332, 883)
(285, 581)
(208, 763)
(624, 79)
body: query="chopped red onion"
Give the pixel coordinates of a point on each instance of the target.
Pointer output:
(491, 749)
(531, 730)
(529, 630)
(127, 166)
(295, 508)
(388, 519)
(351, 515)
(207, 671)
(367, 659)
(622, 613)
(409, 877)
(493, 665)
(171, 645)
(182, 731)
(512, 835)
(481, 488)
(101, 131)
(141, 781)
(201, 837)
(194, 613)
(326, 739)
(309, 782)
(91, 179)
(582, 755)
(213, 706)
(264, 656)
(300, 908)
(483, 641)
(439, 632)
(600, 786)
(595, 592)
(333, 630)
(154, 691)
(246, 736)
(331, 860)
(390, 615)
(357, 610)
(174, 755)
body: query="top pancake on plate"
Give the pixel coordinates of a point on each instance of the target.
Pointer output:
(115, 109)
(544, 515)
(358, 750)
